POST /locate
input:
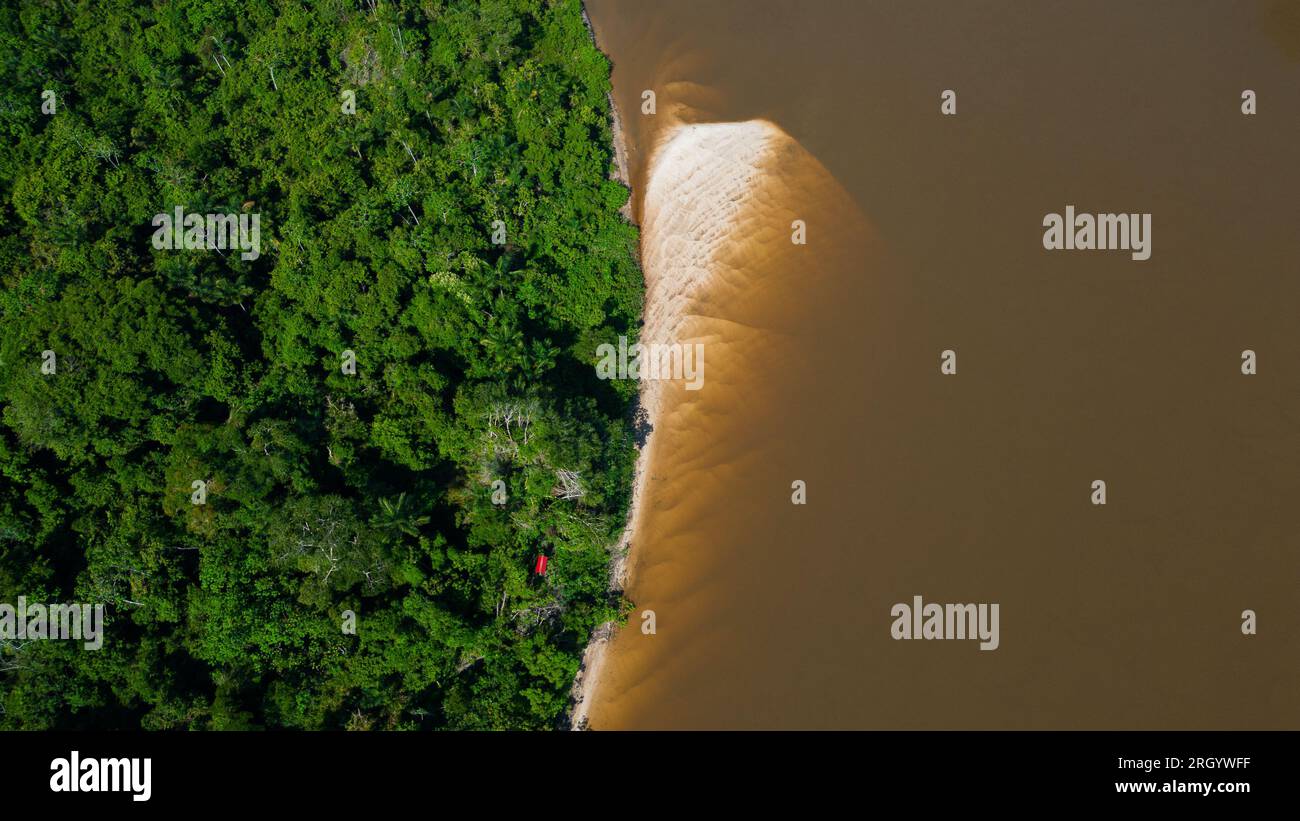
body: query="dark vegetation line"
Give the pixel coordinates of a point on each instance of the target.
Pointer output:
(326, 492)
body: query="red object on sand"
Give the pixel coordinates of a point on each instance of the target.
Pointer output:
(541, 565)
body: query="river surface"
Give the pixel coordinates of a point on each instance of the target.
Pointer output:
(924, 234)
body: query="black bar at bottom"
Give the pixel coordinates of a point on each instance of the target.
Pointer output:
(581, 771)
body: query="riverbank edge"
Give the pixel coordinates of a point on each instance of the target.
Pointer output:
(593, 656)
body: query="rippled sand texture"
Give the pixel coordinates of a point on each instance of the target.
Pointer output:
(721, 198)
(721, 269)
(822, 364)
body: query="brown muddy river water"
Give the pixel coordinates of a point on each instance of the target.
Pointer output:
(924, 234)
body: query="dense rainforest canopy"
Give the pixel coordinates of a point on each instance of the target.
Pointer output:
(432, 184)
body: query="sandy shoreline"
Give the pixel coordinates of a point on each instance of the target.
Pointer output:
(701, 180)
(593, 657)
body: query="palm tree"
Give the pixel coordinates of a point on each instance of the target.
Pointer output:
(395, 516)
